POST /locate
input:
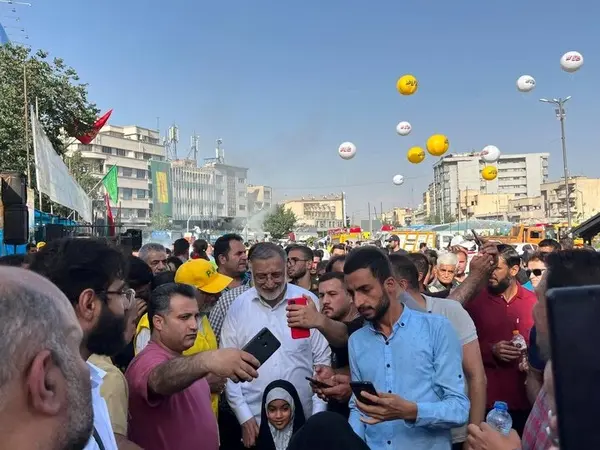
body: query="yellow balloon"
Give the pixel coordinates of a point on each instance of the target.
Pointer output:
(489, 173)
(438, 144)
(407, 85)
(416, 155)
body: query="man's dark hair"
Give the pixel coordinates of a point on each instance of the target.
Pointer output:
(222, 245)
(537, 256)
(420, 261)
(333, 260)
(422, 245)
(160, 300)
(405, 269)
(569, 268)
(75, 265)
(181, 247)
(29, 246)
(338, 247)
(163, 278)
(175, 261)
(307, 253)
(319, 253)
(332, 276)
(140, 273)
(432, 256)
(509, 254)
(13, 260)
(552, 243)
(369, 258)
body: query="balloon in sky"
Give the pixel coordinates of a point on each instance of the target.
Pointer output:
(438, 144)
(403, 128)
(398, 180)
(525, 83)
(490, 154)
(407, 85)
(347, 150)
(415, 155)
(489, 173)
(571, 61)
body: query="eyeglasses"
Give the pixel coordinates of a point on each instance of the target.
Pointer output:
(127, 297)
(292, 261)
(263, 277)
(535, 272)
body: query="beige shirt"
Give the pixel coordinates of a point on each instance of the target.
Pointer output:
(115, 393)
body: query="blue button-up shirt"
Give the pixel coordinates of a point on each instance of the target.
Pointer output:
(421, 361)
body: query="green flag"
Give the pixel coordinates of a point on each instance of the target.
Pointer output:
(110, 184)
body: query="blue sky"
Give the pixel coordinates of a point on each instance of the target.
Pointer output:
(283, 83)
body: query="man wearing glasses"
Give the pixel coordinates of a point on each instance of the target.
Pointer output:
(92, 273)
(299, 263)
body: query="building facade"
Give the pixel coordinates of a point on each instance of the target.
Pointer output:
(260, 198)
(519, 175)
(584, 198)
(130, 148)
(321, 212)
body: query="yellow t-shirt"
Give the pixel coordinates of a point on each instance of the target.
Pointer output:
(205, 340)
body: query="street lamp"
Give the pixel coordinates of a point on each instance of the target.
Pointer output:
(560, 115)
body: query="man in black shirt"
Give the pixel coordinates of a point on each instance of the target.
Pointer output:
(337, 305)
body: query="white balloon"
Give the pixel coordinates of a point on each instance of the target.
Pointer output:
(526, 83)
(490, 154)
(398, 180)
(571, 61)
(403, 128)
(347, 150)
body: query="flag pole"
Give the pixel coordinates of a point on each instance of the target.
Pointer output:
(95, 186)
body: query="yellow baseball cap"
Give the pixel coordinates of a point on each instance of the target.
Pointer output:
(40, 244)
(201, 274)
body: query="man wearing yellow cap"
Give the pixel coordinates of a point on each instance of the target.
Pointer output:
(210, 283)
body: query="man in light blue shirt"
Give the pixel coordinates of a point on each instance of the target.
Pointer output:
(414, 360)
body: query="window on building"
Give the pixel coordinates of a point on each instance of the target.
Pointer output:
(140, 194)
(241, 180)
(126, 193)
(139, 155)
(242, 194)
(126, 171)
(121, 152)
(106, 150)
(219, 179)
(142, 213)
(242, 207)
(140, 173)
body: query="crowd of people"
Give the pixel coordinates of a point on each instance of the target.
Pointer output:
(109, 350)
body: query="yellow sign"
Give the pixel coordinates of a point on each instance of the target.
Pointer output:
(162, 188)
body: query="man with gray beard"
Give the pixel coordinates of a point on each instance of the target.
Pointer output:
(45, 395)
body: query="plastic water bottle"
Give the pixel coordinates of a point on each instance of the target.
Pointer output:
(520, 343)
(499, 418)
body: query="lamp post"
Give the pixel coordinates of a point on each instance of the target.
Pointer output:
(560, 115)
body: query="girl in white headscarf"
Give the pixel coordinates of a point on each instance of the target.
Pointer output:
(281, 416)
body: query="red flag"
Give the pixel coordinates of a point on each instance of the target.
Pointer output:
(109, 216)
(89, 137)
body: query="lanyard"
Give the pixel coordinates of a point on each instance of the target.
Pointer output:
(98, 440)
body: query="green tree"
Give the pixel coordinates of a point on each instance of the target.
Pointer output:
(433, 220)
(160, 222)
(62, 102)
(280, 222)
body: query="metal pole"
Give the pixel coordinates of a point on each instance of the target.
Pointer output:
(370, 223)
(561, 112)
(26, 126)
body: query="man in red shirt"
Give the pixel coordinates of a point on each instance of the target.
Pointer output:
(169, 397)
(497, 311)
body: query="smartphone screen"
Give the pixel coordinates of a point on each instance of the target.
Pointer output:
(363, 386)
(299, 333)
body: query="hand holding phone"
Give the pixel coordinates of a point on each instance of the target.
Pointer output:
(318, 384)
(299, 333)
(262, 345)
(363, 386)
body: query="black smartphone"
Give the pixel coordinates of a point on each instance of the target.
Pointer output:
(262, 345)
(476, 238)
(318, 383)
(363, 386)
(573, 315)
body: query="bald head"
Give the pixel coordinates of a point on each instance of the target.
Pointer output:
(44, 382)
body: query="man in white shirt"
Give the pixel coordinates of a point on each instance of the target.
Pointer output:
(264, 305)
(92, 273)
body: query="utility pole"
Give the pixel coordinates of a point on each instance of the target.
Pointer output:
(560, 115)
(370, 223)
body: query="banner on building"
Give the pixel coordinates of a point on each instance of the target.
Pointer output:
(53, 177)
(162, 199)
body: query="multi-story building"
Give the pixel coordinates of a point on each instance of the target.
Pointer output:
(260, 198)
(400, 217)
(483, 206)
(519, 175)
(130, 148)
(526, 210)
(584, 198)
(194, 194)
(321, 212)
